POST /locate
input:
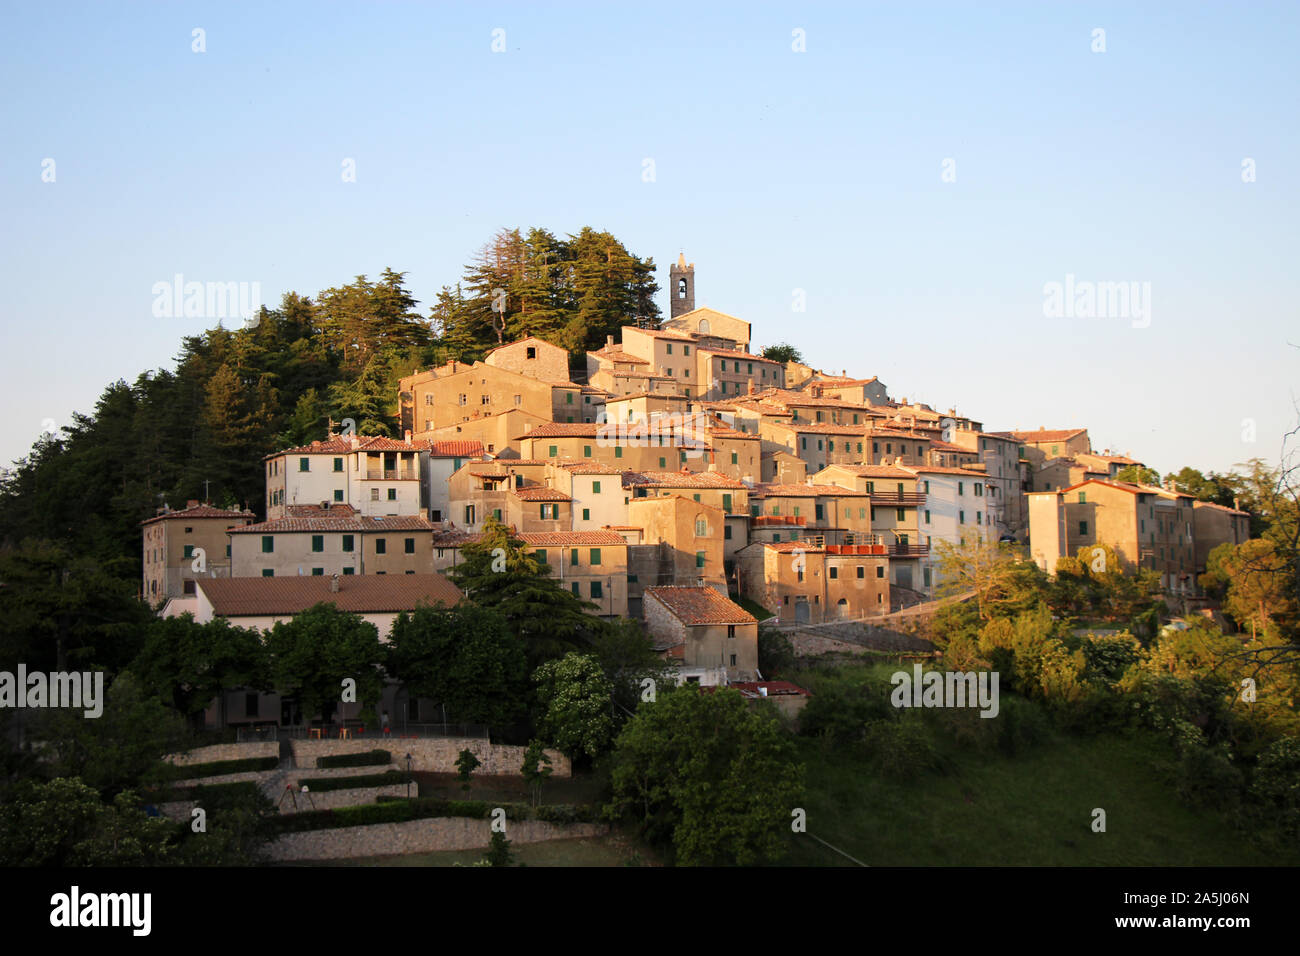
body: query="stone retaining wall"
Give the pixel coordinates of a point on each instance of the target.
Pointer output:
(253, 776)
(429, 754)
(418, 836)
(331, 799)
(245, 751)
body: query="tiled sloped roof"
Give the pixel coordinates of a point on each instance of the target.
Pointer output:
(200, 512)
(774, 490)
(680, 479)
(700, 605)
(358, 594)
(564, 539)
(451, 448)
(340, 445)
(323, 521)
(562, 430)
(1047, 434)
(539, 493)
(875, 471)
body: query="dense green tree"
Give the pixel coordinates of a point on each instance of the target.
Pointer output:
(498, 573)
(1139, 474)
(708, 776)
(465, 657)
(782, 352)
(118, 750)
(187, 664)
(575, 697)
(313, 654)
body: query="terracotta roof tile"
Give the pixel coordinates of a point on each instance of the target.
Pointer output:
(680, 479)
(201, 512)
(696, 606)
(564, 539)
(539, 493)
(320, 521)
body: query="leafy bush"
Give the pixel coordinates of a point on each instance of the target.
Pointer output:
(1276, 786)
(899, 749)
(1019, 725)
(325, 784)
(775, 652)
(841, 710)
(216, 768)
(369, 758)
(1207, 778)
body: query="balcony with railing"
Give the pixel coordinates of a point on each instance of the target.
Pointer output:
(847, 542)
(897, 499)
(797, 521)
(408, 473)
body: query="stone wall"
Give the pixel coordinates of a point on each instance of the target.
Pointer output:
(429, 754)
(331, 799)
(245, 751)
(418, 836)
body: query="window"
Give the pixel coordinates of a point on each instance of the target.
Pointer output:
(268, 543)
(553, 451)
(701, 528)
(724, 388)
(189, 551)
(573, 557)
(318, 543)
(470, 514)
(961, 517)
(925, 576)
(834, 573)
(686, 350)
(574, 587)
(663, 463)
(595, 589)
(979, 517)
(595, 556)
(586, 451)
(1083, 497)
(819, 512)
(392, 494)
(374, 494)
(347, 542)
(381, 546)
(304, 464)
(1083, 527)
(338, 494)
(338, 464)
(900, 514)
(317, 572)
(410, 545)
(699, 559)
(668, 348)
(347, 571)
(595, 487)
(862, 572)
(531, 352)
(485, 400)
(880, 570)
(568, 398)
(268, 573)
(927, 515)
(726, 532)
(496, 513)
(961, 487)
(618, 451)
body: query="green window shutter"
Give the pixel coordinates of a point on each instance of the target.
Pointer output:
(735, 459)
(543, 512)
(819, 512)
(595, 556)
(595, 589)
(410, 545)
(349, 570)
(663, 463)
(268, 572)
(595, 487)
(573, 557)
(618, 451)
(189, 551)
(381, 546)
(317, 572)
(901, 515)
(726, 503)
(568, 398)
(268, 544)
(574, 586)
(553, 451)
(586, 451)
(699, 559)
(318, 542)
(696, 497)
(347, 542)
(586, 514)
(304, 464)
(338, 494)
(338, 464)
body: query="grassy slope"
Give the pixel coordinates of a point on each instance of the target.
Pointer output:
(1033, 809)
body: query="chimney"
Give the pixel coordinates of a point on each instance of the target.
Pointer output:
(356, 442)
(751, 386)
(334, 584)
(192, 503)
(407, 434)
(609, 341)
(1236, 503)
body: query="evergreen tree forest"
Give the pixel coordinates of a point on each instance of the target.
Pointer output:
(237, 395)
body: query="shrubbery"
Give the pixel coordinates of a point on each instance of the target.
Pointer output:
(325, 784)
(217, 768)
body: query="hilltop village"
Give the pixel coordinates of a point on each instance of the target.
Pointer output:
(677, 474)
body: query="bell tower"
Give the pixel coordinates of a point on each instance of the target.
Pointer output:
(681, 287)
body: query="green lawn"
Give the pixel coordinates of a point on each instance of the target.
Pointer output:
(1033, 809)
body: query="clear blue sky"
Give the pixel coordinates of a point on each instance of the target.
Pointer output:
(775, 171)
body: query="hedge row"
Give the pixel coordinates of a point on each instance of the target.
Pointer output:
(369, 758)
(218, 767)
(323, 784)
(203, 793)
(400, 810)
